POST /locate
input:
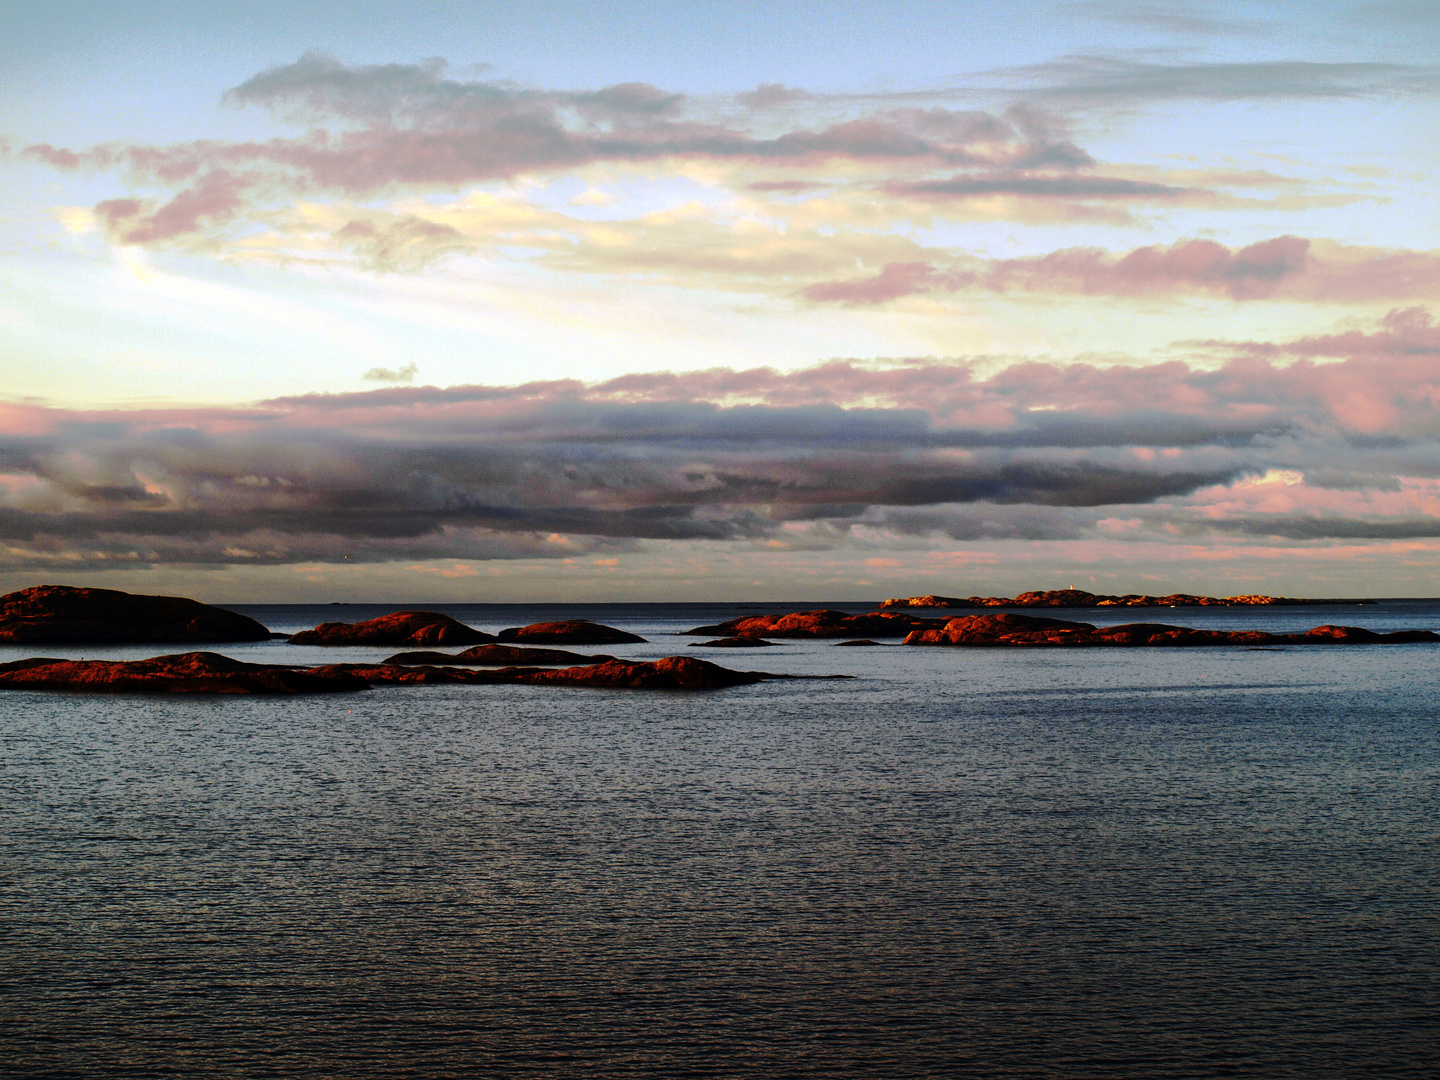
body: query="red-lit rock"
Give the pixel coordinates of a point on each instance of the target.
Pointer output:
(182, 673)
(397, 628)
(999, 630)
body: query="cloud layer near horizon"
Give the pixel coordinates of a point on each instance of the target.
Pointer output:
(1169, 305)
(1267, 443)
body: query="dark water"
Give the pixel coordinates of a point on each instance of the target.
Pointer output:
(1100, 863)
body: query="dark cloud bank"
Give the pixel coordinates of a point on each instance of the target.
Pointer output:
(1034, 451)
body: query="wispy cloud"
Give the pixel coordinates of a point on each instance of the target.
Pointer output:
(380, 128)
(1182, 19)
(1285, 267)
(1080, 80)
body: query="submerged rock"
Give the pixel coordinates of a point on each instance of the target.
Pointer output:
(1030, 630)
(823, 623)
(65, 614)
(499, 656)
(568, 632)
(182, 673)
(397, 628)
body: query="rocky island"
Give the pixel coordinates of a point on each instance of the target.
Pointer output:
(397, 628)
(1079, 598)
(1008, 630)
(211, 673)
(569, 632)
(70, 615)
(183, 673)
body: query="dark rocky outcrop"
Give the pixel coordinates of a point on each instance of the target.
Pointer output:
(823, 623)
(397, 628)
(383, 673)
(1079, 598)
(65, 614)
(499, 656)
(568, 632)
(733, 643)
(1000, 630)
(861, 641)
(182, 673)
(670, 673)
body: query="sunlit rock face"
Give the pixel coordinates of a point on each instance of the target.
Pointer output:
(182, 673)
(397, 628)
(65, 614)
(1010, 630)
(211, 673)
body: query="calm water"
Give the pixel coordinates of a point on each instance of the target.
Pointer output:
(1100, 863)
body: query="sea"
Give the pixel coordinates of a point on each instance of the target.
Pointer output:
(1214, 862)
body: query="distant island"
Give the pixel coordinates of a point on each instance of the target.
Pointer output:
(1079, 598)
(1007, 630)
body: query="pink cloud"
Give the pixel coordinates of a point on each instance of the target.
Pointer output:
(374, 127)
(893, 281)
(216, 197)
(1285, 267)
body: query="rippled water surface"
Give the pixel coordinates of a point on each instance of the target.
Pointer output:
(1090, 863)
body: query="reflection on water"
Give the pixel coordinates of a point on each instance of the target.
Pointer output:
(963, 863)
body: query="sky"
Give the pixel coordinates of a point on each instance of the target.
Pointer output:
(501, 301)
